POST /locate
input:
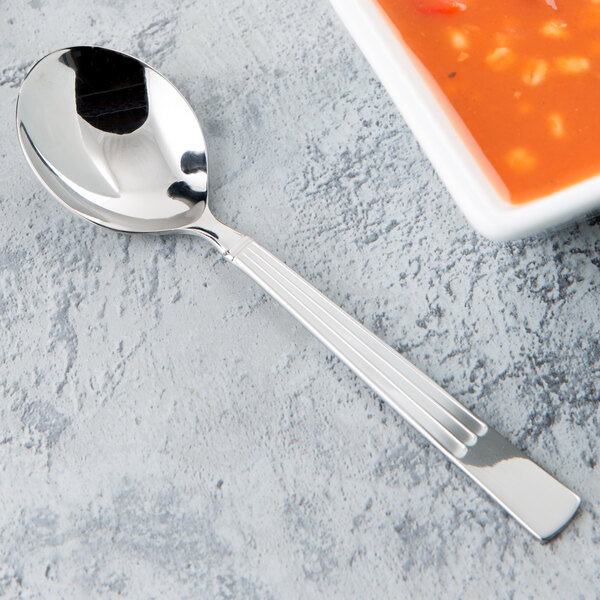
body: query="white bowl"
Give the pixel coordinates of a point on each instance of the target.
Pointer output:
(446, 141)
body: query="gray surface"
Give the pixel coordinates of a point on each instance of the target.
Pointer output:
(166, 431)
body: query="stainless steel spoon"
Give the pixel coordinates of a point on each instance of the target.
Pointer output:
(117, 143)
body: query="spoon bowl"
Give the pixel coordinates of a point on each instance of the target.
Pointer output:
(114, 140)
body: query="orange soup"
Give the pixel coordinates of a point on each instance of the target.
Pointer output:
(524, 77)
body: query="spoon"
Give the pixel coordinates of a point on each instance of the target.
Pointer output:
(119, 145)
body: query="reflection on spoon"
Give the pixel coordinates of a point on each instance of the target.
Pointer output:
(193, 162)
(110, 89)
(182, 191)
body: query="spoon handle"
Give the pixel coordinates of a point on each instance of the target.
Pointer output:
(538, 501)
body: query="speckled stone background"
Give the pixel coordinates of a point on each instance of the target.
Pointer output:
(167, 431)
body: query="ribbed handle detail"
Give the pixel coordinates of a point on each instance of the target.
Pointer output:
(443, 420)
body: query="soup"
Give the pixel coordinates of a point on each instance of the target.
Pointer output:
(524, 77)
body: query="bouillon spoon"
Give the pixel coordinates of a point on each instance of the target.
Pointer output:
(119, 145)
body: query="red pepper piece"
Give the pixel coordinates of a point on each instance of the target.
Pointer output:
(446, 7)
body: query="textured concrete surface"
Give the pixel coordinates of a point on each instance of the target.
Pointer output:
(167, 431)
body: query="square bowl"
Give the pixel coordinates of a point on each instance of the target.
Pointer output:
(446, 141)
